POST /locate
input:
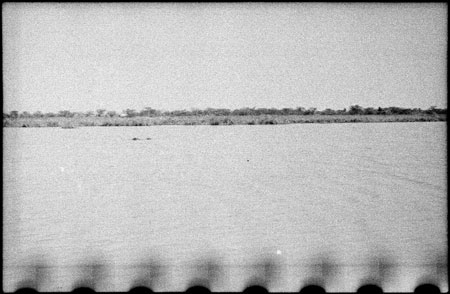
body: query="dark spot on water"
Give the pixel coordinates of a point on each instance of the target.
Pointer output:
(149, 138)
(134, 139)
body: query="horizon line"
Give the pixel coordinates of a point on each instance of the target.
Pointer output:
(190, 109)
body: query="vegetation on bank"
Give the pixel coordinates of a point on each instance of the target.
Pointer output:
(210, 116)
(212, 120)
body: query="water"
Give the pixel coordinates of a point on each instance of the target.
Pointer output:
(293, 194)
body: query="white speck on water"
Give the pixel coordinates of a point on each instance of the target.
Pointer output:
(278, 252)
(62, 169)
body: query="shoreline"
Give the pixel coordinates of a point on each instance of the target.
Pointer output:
(214, 120)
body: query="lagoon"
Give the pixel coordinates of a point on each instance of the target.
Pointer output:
(289, 193)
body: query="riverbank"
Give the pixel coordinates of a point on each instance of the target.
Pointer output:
(213, 120)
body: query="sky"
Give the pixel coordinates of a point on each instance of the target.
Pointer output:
(169, 56)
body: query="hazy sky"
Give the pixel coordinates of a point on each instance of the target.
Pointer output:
(82, 57)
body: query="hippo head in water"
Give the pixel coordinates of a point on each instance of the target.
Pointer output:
(134, 139)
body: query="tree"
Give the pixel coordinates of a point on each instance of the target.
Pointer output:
(25, 114)
(310, 111)
(148, 111)
(355, 109)
(65, 113)
(14, 114)
(328, 111)
(101, 112)
(369, 110)
(381, 111)
(78, 114)
(341, 111)
(130, 112)
(38, 114)
(111, 113)
(207, 111)
(405, 111)
(431, 110)
(243, 111)
(194, 111)
(287, 111)
(260, 111)
(222, 111)
(300, 110)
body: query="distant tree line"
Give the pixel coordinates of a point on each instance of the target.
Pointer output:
(150, 112)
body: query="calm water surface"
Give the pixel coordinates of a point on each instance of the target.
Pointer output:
(239, 193)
